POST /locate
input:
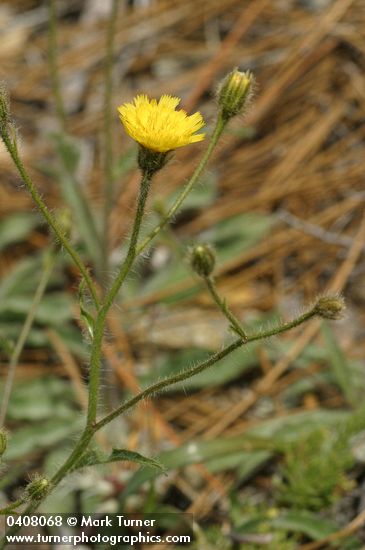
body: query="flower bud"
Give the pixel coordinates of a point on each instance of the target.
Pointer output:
(38, 488)
(330, 307)
(234, 92)
(202, 259)
(150, 161)
(3, 442)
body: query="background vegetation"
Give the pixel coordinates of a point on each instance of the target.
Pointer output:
(266, 449)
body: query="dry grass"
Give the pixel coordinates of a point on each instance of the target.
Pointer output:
(303, 165)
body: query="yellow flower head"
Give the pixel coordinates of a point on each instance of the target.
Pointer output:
(157, 126)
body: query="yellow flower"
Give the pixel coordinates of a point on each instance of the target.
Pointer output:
(157, 126)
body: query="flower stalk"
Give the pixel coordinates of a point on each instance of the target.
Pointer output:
(109, 299)
(12, 148)
(235, 324)
(158, 129)
(212, 360)
(92, 428)
(218, 130)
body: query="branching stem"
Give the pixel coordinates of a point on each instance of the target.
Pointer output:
(109, 299)
(90, 430)
(92, 425)
(219, 127)
(235, 324)
(52, 222)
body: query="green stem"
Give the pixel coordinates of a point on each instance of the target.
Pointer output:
(32, 507)
(74, 456)
(284, 327)
(109, 299)
(219, 127)
(188, 373)
(108, 124)
(155, 388)
(11, 507)
(13, 151)
(90, 430)
(53, 62)
(221, 303)
(50, 260)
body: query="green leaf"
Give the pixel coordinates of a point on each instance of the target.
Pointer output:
(230, 237)
(41, 398)
(16, 227)
(271, 433)
(307, 523)
(85, 315)
(348, 380)
(88, 320)
(69, 152)
(6, 345)
(54, 309)
(73, 340)
(242, 461)
(41, 435)
(200, 196)
(73, 194)
(93, 458)
(234, 235)
(24, 277)
(225, 371)
(124, 164)
(131, 456)
(37, 338)
(171, 274)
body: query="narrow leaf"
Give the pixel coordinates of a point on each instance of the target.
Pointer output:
(341, 368)
(92, 458)
(132, 456)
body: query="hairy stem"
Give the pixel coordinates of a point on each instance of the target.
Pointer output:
(221, 303)
(52, 222)
(219, 127)
(109, 299)
(188, 373)
(11, 507)
(90, 430)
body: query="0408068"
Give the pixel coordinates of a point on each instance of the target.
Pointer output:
(34, 521)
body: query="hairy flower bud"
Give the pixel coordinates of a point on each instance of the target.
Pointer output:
(330, 307)
(3, 442)
(38, 488)
(234, 92)
(150, 161)
(202, 259)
